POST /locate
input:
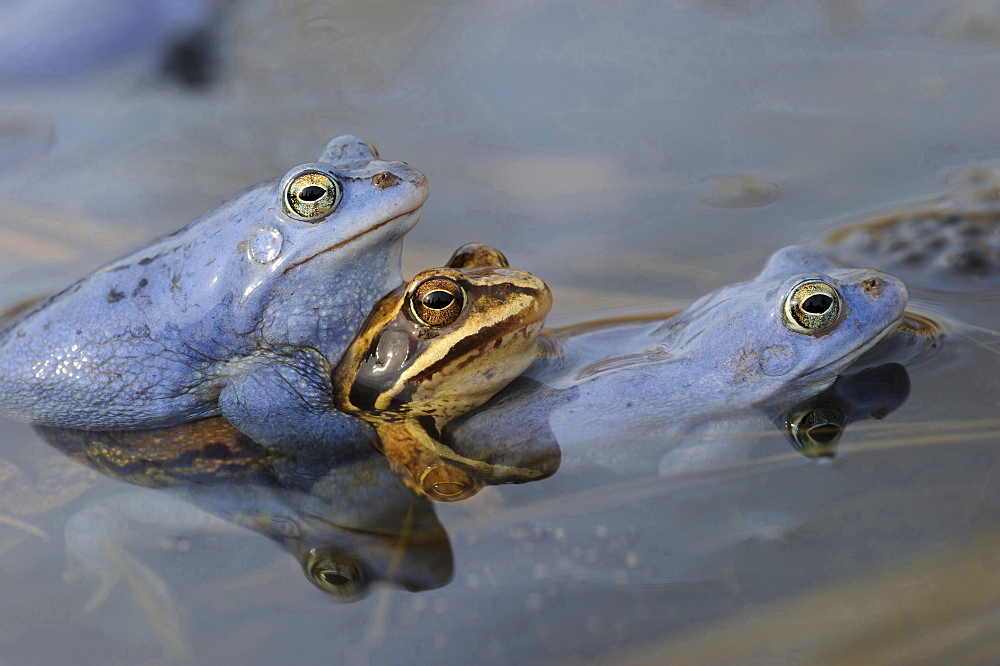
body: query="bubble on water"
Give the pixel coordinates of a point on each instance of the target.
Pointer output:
(265, 246)
(739, 191)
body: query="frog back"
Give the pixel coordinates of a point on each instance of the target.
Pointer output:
(136, 337)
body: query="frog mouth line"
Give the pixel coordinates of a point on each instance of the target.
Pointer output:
(875, 339)
(349, 240)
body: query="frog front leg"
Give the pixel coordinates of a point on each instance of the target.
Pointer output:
(281, 398)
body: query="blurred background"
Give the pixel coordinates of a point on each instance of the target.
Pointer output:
(652, 148)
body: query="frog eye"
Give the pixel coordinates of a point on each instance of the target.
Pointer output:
(311, 196)
(446, 483)
(815, 431)
(812, 306)
(340, 576)
(437, 301)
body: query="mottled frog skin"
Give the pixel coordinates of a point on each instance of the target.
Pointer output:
(769, 342)
(240, 313)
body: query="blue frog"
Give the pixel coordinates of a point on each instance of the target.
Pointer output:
(240, 313)
(764, 344)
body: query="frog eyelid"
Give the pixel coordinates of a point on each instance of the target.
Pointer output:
(323, 186)
(812, 305)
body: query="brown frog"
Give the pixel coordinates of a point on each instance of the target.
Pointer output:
(435, 349)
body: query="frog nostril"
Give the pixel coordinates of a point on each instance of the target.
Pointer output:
(384, 180)
(873, 287)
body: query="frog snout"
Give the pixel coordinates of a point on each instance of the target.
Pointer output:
(887, 291)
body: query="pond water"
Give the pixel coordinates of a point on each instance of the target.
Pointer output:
(634, 155)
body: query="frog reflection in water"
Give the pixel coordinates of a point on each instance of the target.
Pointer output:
(345, 516)
(435, 349)
(347, 519)
(815, 426)
(762, 344)
(240, 313)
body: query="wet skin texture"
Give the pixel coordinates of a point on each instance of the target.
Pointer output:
(733, 348)
(240, 313)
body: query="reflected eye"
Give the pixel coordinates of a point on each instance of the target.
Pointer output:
(812, 306)
(342, 578)
(445, 483)
(437, 301)
(815, 432)
(311, 196)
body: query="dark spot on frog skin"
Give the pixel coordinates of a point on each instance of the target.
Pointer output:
(142, 283)
(147, 261)
(121, 268)
(114, 295)
(175, 280)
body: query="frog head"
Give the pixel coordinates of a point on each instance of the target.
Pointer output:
(348, 199)
(449, 340)
(300, 259)
(332, 230)
(793, 328)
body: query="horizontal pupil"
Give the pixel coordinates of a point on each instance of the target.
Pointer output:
(437, 299)
(825, 433)
(312, 193)
(817, 304)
